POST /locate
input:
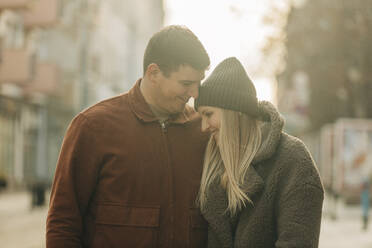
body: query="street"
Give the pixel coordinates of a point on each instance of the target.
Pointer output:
(345, 231)
(21, 226)
(24, 227)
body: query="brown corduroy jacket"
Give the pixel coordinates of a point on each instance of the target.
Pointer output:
(123, 180)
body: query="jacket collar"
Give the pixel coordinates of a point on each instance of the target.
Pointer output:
(143, 111)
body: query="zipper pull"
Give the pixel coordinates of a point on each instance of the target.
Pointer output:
(163, 126)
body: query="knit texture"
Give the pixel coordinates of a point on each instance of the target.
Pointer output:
(229, 87)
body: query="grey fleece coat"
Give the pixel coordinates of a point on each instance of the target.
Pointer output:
(286, 191)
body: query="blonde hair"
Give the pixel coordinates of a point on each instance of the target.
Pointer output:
(238, 142)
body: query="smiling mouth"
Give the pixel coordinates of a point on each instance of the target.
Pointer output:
(183, 100)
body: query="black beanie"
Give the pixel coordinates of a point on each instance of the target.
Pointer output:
(229, 87)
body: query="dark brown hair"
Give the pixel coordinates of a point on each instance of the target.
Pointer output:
(174, 46)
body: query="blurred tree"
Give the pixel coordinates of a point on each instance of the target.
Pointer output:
(325, 72)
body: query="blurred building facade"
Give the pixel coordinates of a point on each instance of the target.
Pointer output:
(56, 58)
(328, 60)
(325, 89)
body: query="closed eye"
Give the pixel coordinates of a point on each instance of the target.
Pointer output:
(208, 114)
(187, 83)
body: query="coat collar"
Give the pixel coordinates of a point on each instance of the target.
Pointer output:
(143, 111)
(253, 182)
(271, 131)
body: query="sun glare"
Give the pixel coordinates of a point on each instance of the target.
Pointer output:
(227, 28)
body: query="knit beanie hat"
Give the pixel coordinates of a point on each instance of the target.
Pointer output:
(229, 87)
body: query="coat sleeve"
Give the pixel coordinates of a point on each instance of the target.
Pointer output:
(299, 218)
(299, 200)
(74, 181)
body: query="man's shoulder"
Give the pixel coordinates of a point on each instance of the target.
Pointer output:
(105, 112)
(107, 107)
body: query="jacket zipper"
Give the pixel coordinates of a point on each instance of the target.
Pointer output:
(163, 126)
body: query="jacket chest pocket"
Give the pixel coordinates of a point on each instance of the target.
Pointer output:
(126, 226)
(198, 229)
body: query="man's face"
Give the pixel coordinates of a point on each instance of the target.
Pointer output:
(173, 92)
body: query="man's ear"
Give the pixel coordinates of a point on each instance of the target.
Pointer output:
(152, 72)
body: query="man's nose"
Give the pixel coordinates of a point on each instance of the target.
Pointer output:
(194, 91)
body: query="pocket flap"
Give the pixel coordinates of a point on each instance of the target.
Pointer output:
(142, 216)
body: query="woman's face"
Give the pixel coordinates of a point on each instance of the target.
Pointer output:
(211, 120)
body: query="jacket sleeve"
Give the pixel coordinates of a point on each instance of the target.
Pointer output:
(74, 181)
(299, 218)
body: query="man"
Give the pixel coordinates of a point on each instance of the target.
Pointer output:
(130, 166)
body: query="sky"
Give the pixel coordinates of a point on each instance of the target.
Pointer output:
(228, 28)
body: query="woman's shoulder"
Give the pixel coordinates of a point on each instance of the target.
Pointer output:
(294, 160)
(292, 147)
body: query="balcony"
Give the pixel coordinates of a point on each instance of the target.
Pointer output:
(45, 80)
(42, 13)
(16, 66)
(14, 4)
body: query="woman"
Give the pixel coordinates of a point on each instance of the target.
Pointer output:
(259, 187)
